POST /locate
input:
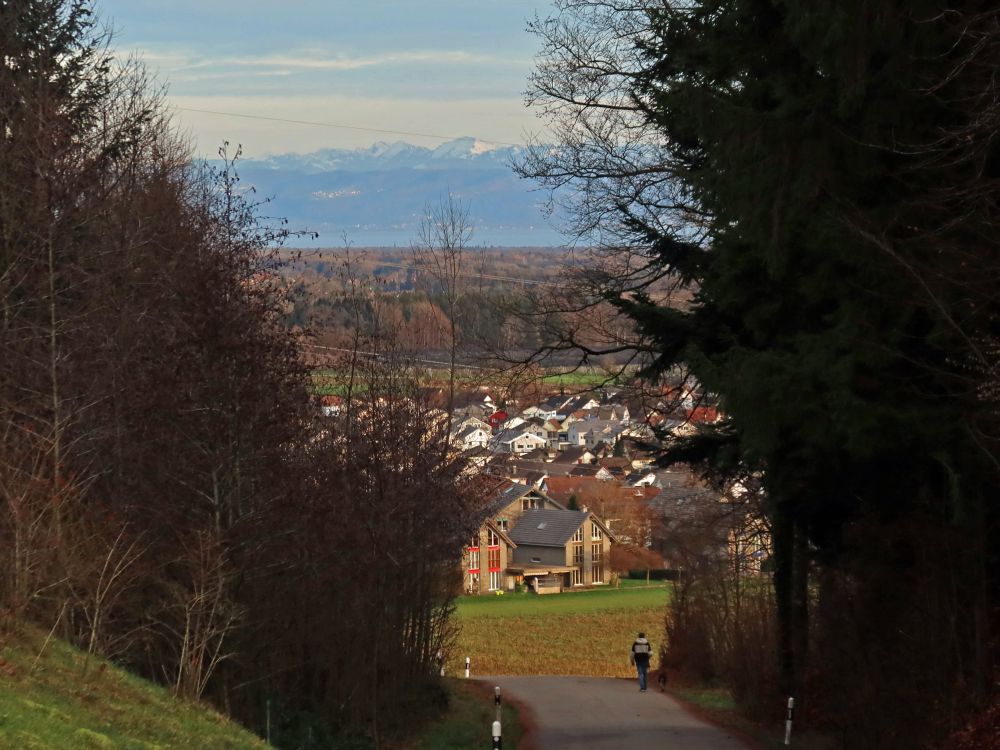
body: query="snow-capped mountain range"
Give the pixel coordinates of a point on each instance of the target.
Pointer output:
(461, 153)
(376, 196)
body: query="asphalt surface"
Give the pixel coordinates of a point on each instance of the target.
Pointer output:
(596, 713)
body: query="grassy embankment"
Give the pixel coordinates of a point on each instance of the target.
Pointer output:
(574, 633)
(56, 698)
(468, 720)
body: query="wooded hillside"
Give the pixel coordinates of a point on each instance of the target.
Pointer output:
(167, 497)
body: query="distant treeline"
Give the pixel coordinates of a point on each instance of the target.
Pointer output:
(492, 297)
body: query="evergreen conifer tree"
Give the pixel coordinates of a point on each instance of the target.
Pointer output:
(831, 306)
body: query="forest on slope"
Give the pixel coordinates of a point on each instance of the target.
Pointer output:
(167, 497)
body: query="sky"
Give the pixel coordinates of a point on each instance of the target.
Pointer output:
(446, 68)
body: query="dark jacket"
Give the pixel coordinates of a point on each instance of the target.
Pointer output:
(641, 651)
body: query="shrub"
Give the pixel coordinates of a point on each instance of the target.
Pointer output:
(721, 628)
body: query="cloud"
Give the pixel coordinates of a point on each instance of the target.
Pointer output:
(312, 61)
(179, 60)
(491, 119)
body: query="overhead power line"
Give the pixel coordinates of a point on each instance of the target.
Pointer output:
(362, 128)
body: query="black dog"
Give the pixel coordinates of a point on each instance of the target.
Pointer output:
(661, 678)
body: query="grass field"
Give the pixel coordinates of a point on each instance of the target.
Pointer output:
(580, 378)
(55, 698)
(328, 382)
(579, 633)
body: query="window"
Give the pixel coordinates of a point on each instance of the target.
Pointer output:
(595, 531)
(577, 577)
(474, 544)
(502, 524)
(495, 580)
(536, 559)
(595, 552)
(578, 554)
(474, 559)
(493, 538)
(528, 503)
(597, 574)
(578, 535)
(473, 581)
(494, 558)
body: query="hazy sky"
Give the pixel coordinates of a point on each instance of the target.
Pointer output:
(442, 67)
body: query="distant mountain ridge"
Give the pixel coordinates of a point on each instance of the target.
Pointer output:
(461, 153)
(377, 195)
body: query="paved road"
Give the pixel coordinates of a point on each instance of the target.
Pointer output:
(595, 713)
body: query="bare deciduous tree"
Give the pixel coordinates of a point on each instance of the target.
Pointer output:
(445, 234)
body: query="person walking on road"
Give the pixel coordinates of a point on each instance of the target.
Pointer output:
(641, 651)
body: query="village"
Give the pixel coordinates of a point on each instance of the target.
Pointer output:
(576, 499)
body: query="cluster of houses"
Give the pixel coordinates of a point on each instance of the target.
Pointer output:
(555, 425)
(576, 476)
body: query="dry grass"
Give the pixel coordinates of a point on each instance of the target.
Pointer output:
(569, 634)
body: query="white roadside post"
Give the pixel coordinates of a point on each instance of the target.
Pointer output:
(788, 721)
(496, 700)
(496, 735)
(467, 667)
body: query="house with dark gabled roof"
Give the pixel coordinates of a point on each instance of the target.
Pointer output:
(555, 402)
(556, 549)
(507, 506)
(580, 402)
(471, 437)
(613, 412)
(574, 455)
(518, 441)
(539, 455)
(591, 471)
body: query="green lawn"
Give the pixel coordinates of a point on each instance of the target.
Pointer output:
(580, 633)
(329, 381)
(580, 378)
(629, 597)
(56, 699)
